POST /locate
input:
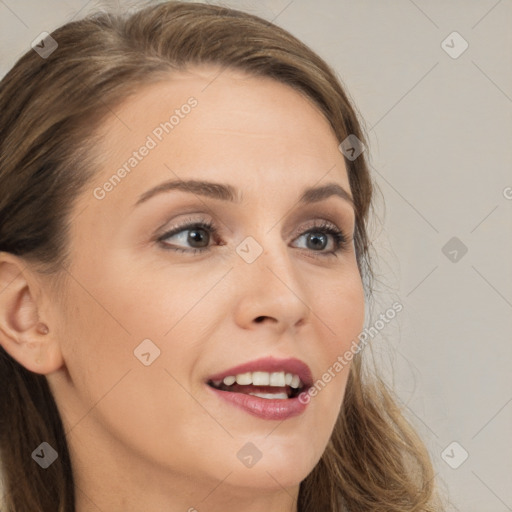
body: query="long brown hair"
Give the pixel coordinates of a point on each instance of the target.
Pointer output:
(50, 107)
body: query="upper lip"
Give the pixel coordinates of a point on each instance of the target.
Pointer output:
(270, 364)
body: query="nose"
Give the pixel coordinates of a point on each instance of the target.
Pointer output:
(271, 290)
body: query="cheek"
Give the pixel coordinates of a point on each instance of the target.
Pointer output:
(122, 318)
(341, 311)
(112, 387)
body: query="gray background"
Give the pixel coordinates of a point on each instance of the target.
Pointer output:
(440, 135)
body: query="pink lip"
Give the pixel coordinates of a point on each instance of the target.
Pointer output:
(267, 408)
(271, 364)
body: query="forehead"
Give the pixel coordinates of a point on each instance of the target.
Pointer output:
(226, 100)
(207, 123)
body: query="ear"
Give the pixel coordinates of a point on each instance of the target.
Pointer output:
(23, 334)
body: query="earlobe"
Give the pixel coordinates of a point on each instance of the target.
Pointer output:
(23, 335)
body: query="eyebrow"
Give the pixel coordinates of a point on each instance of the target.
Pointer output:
(225, 192)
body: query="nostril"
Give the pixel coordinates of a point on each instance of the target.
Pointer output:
(260, 319)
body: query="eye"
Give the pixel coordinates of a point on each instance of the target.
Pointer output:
(317, 237)
(199, 236)
(200, 232)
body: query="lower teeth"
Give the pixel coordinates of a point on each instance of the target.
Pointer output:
(281, 396)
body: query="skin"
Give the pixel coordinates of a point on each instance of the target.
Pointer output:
(153, 437)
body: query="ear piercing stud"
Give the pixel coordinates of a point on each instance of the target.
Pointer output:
(42, 329)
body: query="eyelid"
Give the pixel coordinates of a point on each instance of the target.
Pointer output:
(191, 217)
(319, 222)
(217, 225)
(318, 213)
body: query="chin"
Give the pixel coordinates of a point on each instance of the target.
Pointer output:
(272, 466)
(270, 476)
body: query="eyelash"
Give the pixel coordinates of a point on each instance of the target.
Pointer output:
(340, 240)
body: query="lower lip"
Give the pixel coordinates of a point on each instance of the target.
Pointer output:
(265, 408)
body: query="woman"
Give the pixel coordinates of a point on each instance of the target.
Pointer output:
(144, 369)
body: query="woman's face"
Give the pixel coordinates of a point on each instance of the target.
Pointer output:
(148, 317)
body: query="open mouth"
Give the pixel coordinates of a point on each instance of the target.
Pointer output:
(269, 385)
(269, 388)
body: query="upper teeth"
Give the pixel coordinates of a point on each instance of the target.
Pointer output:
(278, 379)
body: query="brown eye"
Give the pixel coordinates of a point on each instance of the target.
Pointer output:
(198, 237)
